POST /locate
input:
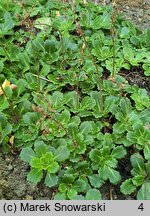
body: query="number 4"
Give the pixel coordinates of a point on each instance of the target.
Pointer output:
(141, 207)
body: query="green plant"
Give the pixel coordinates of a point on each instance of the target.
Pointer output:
(141, 178)
(44, 160)
(105, 162)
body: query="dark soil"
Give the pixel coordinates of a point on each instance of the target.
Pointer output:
(136, 77)
(13, 183)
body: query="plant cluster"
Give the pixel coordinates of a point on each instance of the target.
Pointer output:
(66, 105)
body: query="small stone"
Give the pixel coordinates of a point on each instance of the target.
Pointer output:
(127, 7)
(7, 159)
(10, 167)
(42, 198)
(20, 190)
(28, 197)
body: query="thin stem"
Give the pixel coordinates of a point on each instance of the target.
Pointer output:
(42, 78)
(113, 44)
(99, 82)
(112, 31)
(5, 51)
(62, 44)
(40, 110)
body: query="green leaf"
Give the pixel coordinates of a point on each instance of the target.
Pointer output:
(60, 196)
(144, 116)
(73, 129)
(102, 171)
(30, 118)
(31, 81)
(87, 103)
(3, 120)
(76, 120)
(95, 180)
(40, 148)
(24, 61)
(119, 127)
(24, 106)
(79, 185)
(146, 68)
(131, 137)
(51, 180)
(68, 178)
(4, 104)
(95, 155)
(138, 165)
(105, 139)
(86, 19)
(88, 140)
(79, 197)
(138, 180)
(102, 53)
(74, 101)
(119, 152)
(133, 56)
(27, 154)
(62, 153)
(56, 100)
(1, 66)
(71, 194)
(127, 187)
(143, 139)
(64, 118)
(101, 21)
(86, 127)
(62, 188)
(141, 99)
(97, 108)
(38, 45)
(8, 91)
(148, 167)
(93, 194)
(42, 23)
(63, 24)
(81, 145)
(144, 192)
(8, 23)
(53, 167)
(45, 162)
(124, 32)
(111, 162)
(6, 130)
(147, 152)
(36, 163)
(113, 175)
(109, 102)
(83, 166)
(35, 175)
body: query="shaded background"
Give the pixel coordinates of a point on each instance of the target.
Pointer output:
(138, 11)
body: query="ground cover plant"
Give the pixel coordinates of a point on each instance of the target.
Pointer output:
(66, 103)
